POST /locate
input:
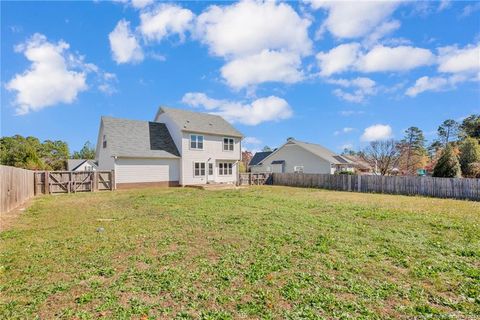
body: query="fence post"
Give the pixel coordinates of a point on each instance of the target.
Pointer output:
(112, 180)
(47, 182)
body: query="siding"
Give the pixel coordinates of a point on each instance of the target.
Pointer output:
(83, 165)
(103, 155)
(294, 155)
(213, 150)
(146, 170)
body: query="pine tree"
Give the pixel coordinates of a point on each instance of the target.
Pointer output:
(469, 153)
(448, 165)
(412, 149)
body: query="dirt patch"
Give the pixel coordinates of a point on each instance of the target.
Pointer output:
(7, 219)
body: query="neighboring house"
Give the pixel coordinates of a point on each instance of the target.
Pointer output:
(257, 161)
(81, 165)
(178, 148)
(302, 157)
(362, 167)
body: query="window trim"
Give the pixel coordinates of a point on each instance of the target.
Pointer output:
(228, 144)
(225, 167)
(298, 169)
(199, 169)
(196, 142)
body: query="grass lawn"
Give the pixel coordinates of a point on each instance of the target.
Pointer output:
(261, 252)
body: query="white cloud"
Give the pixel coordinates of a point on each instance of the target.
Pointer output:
(400, 58)
(344, 131)
(338, 59)
(261, 110)
(252, 140)
(124, 45)
(51, 77)
(346, 146)
(140, 4)
(444, 4)
(434, 84)
(165, 20)
(267, 66)
(380, 58)
(454, 60)
(377, 132)
(354, 19)
(362, 87)
(249, 27)
(348, 113)
(471, 8)
(381, 31)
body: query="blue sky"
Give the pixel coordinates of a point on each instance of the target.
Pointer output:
(335, 73)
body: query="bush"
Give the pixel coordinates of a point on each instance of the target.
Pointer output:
(447, 165)
(346, 172)
(469, 154)
(473, 170)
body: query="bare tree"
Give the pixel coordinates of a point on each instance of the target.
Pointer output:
(382, 155)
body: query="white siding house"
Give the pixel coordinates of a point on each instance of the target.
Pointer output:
(178, 147)
(298, 156)
(81, 165)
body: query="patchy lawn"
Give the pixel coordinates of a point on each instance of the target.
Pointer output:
(263, 252)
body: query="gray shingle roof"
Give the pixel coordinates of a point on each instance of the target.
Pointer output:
(200, 122)
(142, 139)
(258, 157)
(322, 152)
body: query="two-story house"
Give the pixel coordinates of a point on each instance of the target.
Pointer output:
(178, 148)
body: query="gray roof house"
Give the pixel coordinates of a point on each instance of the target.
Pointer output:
(258, 157)
(81, 165)
(299, 156)
(178, 147)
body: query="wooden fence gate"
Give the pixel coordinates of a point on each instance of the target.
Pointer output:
(47, 182)
(249, 178)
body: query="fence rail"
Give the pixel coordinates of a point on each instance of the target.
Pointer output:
(455, 188)
(47, 182)
(254, 178)
(16, 187)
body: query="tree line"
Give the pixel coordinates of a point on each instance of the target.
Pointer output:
(31, 153)
(454, 153)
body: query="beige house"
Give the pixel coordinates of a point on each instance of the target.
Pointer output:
(178, 148)
(301, 157)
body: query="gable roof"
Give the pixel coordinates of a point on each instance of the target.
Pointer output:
(142, 139)
(321, 151)
(73, 164)
(200, 122)
(258, 157)
(317, 150)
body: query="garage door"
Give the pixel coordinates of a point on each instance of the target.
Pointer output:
(146, 170)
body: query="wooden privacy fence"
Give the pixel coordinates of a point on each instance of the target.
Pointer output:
(455, 188)
(17, 186)
(47, 182)
(254, 178)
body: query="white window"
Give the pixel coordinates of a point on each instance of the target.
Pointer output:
(104, 141)
(298, 169)
(196, 142)
(228, 144)
(225, 169)
(199, 169)
(210, 169)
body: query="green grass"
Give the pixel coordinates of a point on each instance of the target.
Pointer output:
(262, 252)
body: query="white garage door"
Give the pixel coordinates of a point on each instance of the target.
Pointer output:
(146, 170)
